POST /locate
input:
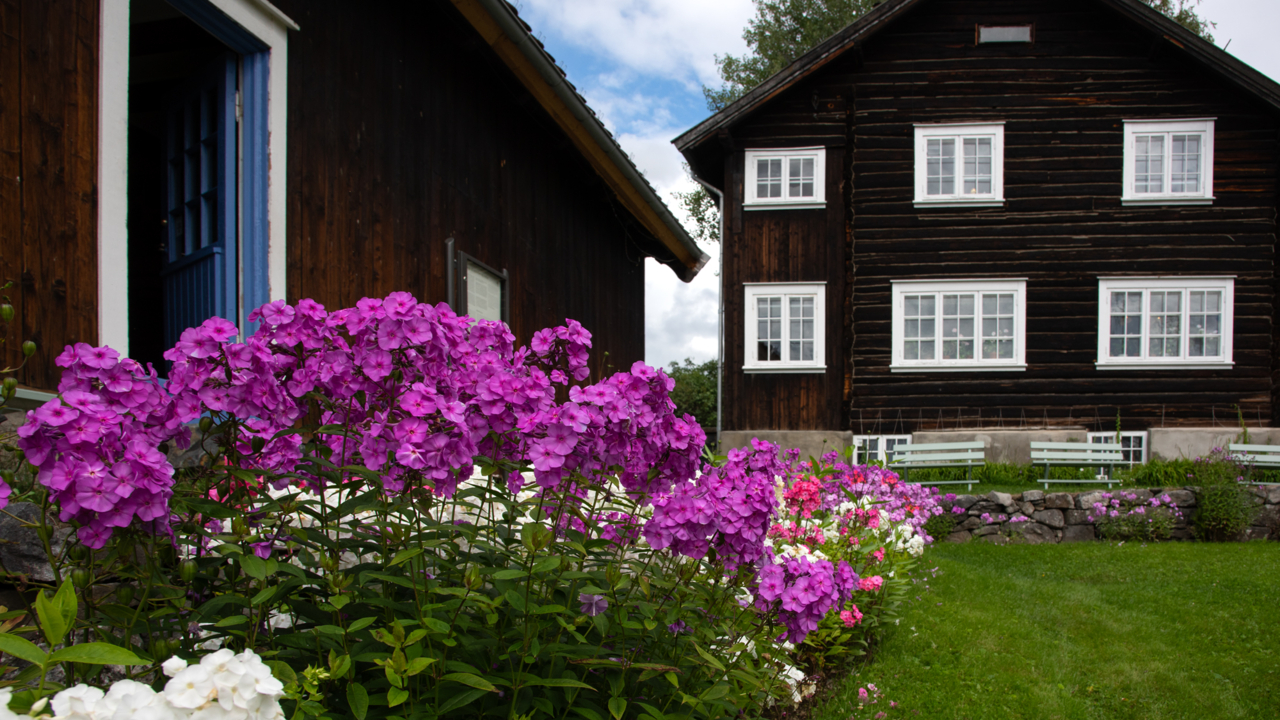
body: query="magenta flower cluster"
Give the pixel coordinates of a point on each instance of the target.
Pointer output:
(417, 391)
(803, 590)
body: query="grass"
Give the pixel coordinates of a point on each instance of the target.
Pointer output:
(1091, 630)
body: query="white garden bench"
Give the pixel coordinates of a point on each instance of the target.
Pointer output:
(967, 455)
(1259, 456)
(1076, 454)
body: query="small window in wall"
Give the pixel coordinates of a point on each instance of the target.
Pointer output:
(1149, 323)
(876, 448)
(1168, 162)
(484, 290)
(1006, 34)
(941, 325)
(792, 177)
(785, 327)
(959, 165)
(1133, 444)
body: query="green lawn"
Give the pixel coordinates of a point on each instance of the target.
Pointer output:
(1091, 630)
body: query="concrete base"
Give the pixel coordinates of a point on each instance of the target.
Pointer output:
(1190, 443)
(810, 442)
(1003, 446)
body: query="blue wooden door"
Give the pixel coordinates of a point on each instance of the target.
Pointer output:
(199, 270)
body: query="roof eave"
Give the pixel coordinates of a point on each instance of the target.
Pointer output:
(502, 30)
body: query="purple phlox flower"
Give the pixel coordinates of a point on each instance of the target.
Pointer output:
(592, 605)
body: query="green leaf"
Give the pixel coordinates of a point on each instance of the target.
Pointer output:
(588, 714)
(465, 698)
(617, 706)
(470, 680)
(282, 672)
(404, 556)
(509, 574)
(231, 620)
(417, 665)
(96, 653)
(395, 696)
(51, 623)
(263, 596)
(254, 567)
(546, 564)
(557, 682)
(436, 625)
(360, 624)
(516, 600)
(22, 648)
(707, 656)
(358, 699)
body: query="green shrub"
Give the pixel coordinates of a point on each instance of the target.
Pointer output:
(1161, 473)
(941, 525)
(1224, 507)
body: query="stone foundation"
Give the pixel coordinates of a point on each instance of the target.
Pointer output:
(1036, 517)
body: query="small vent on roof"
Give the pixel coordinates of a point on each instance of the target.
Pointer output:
(1006, 34)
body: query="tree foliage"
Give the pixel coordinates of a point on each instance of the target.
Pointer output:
(695, 391)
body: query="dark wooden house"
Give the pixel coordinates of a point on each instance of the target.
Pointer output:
(165, 161)
(975, 216)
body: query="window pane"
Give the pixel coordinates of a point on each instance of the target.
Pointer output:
(1148, 174)
(940, 166)
(1184, 163)
(977, 166)
(1164, 328)
(484, 293)
(800, 177)
(957, 327)
(1126, 324)
(1204, 323)
(768, 178)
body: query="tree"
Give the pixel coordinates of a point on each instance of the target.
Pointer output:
(695, 391)
(783, 30)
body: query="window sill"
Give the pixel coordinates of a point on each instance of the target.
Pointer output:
(955, 203)
(785, 206)
(1139, 202)
(1165, 366)
(1004, 367)
(792, 370)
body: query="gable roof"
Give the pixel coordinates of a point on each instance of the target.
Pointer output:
(513, 41)
(1201, 50)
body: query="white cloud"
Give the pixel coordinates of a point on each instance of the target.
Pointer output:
(676, 39)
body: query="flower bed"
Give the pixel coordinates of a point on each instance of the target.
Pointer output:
(333, 525)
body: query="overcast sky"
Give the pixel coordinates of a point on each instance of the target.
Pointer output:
(641, 65)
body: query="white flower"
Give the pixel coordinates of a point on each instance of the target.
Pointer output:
(190, 688)
(173, 666)
(76, 702)
(5, 713)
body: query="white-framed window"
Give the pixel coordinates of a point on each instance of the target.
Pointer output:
(484, 290)
(785, 327)
(1168, 162)
(1133, 444)
(1162, 321)
(959, 325)
(787, 177)
(959, 165)
(876, 448)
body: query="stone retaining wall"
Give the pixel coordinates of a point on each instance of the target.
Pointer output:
(1035, 517)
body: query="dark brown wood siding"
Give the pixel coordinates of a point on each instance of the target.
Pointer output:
(49, 177)
(778, 245)
(405, 130)
(1063, 101)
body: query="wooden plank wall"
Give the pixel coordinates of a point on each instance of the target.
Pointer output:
(48, 177)
(1063, 100)
(405, 130)
(785, 246)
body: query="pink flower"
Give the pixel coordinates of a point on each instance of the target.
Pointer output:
(871, 584)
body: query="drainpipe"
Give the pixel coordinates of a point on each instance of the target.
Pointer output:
(720, 318)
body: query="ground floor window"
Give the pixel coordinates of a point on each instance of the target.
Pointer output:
(1133, 444)
(877, 448)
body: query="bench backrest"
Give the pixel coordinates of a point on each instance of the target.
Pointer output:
(1267, 454)
(958, 453)
(1069, 452)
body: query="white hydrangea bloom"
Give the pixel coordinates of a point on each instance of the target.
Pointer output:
(5, 713)
(173, 666)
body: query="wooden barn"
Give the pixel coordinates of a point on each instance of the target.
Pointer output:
(1006, 219)
(165, 161)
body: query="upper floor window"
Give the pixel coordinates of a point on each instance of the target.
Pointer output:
(1168, 162)
(785, 327)
(793, 178)
(960, 164)
(959, 325)
(1156, 322)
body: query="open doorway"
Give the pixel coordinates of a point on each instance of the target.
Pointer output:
(182, 159)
